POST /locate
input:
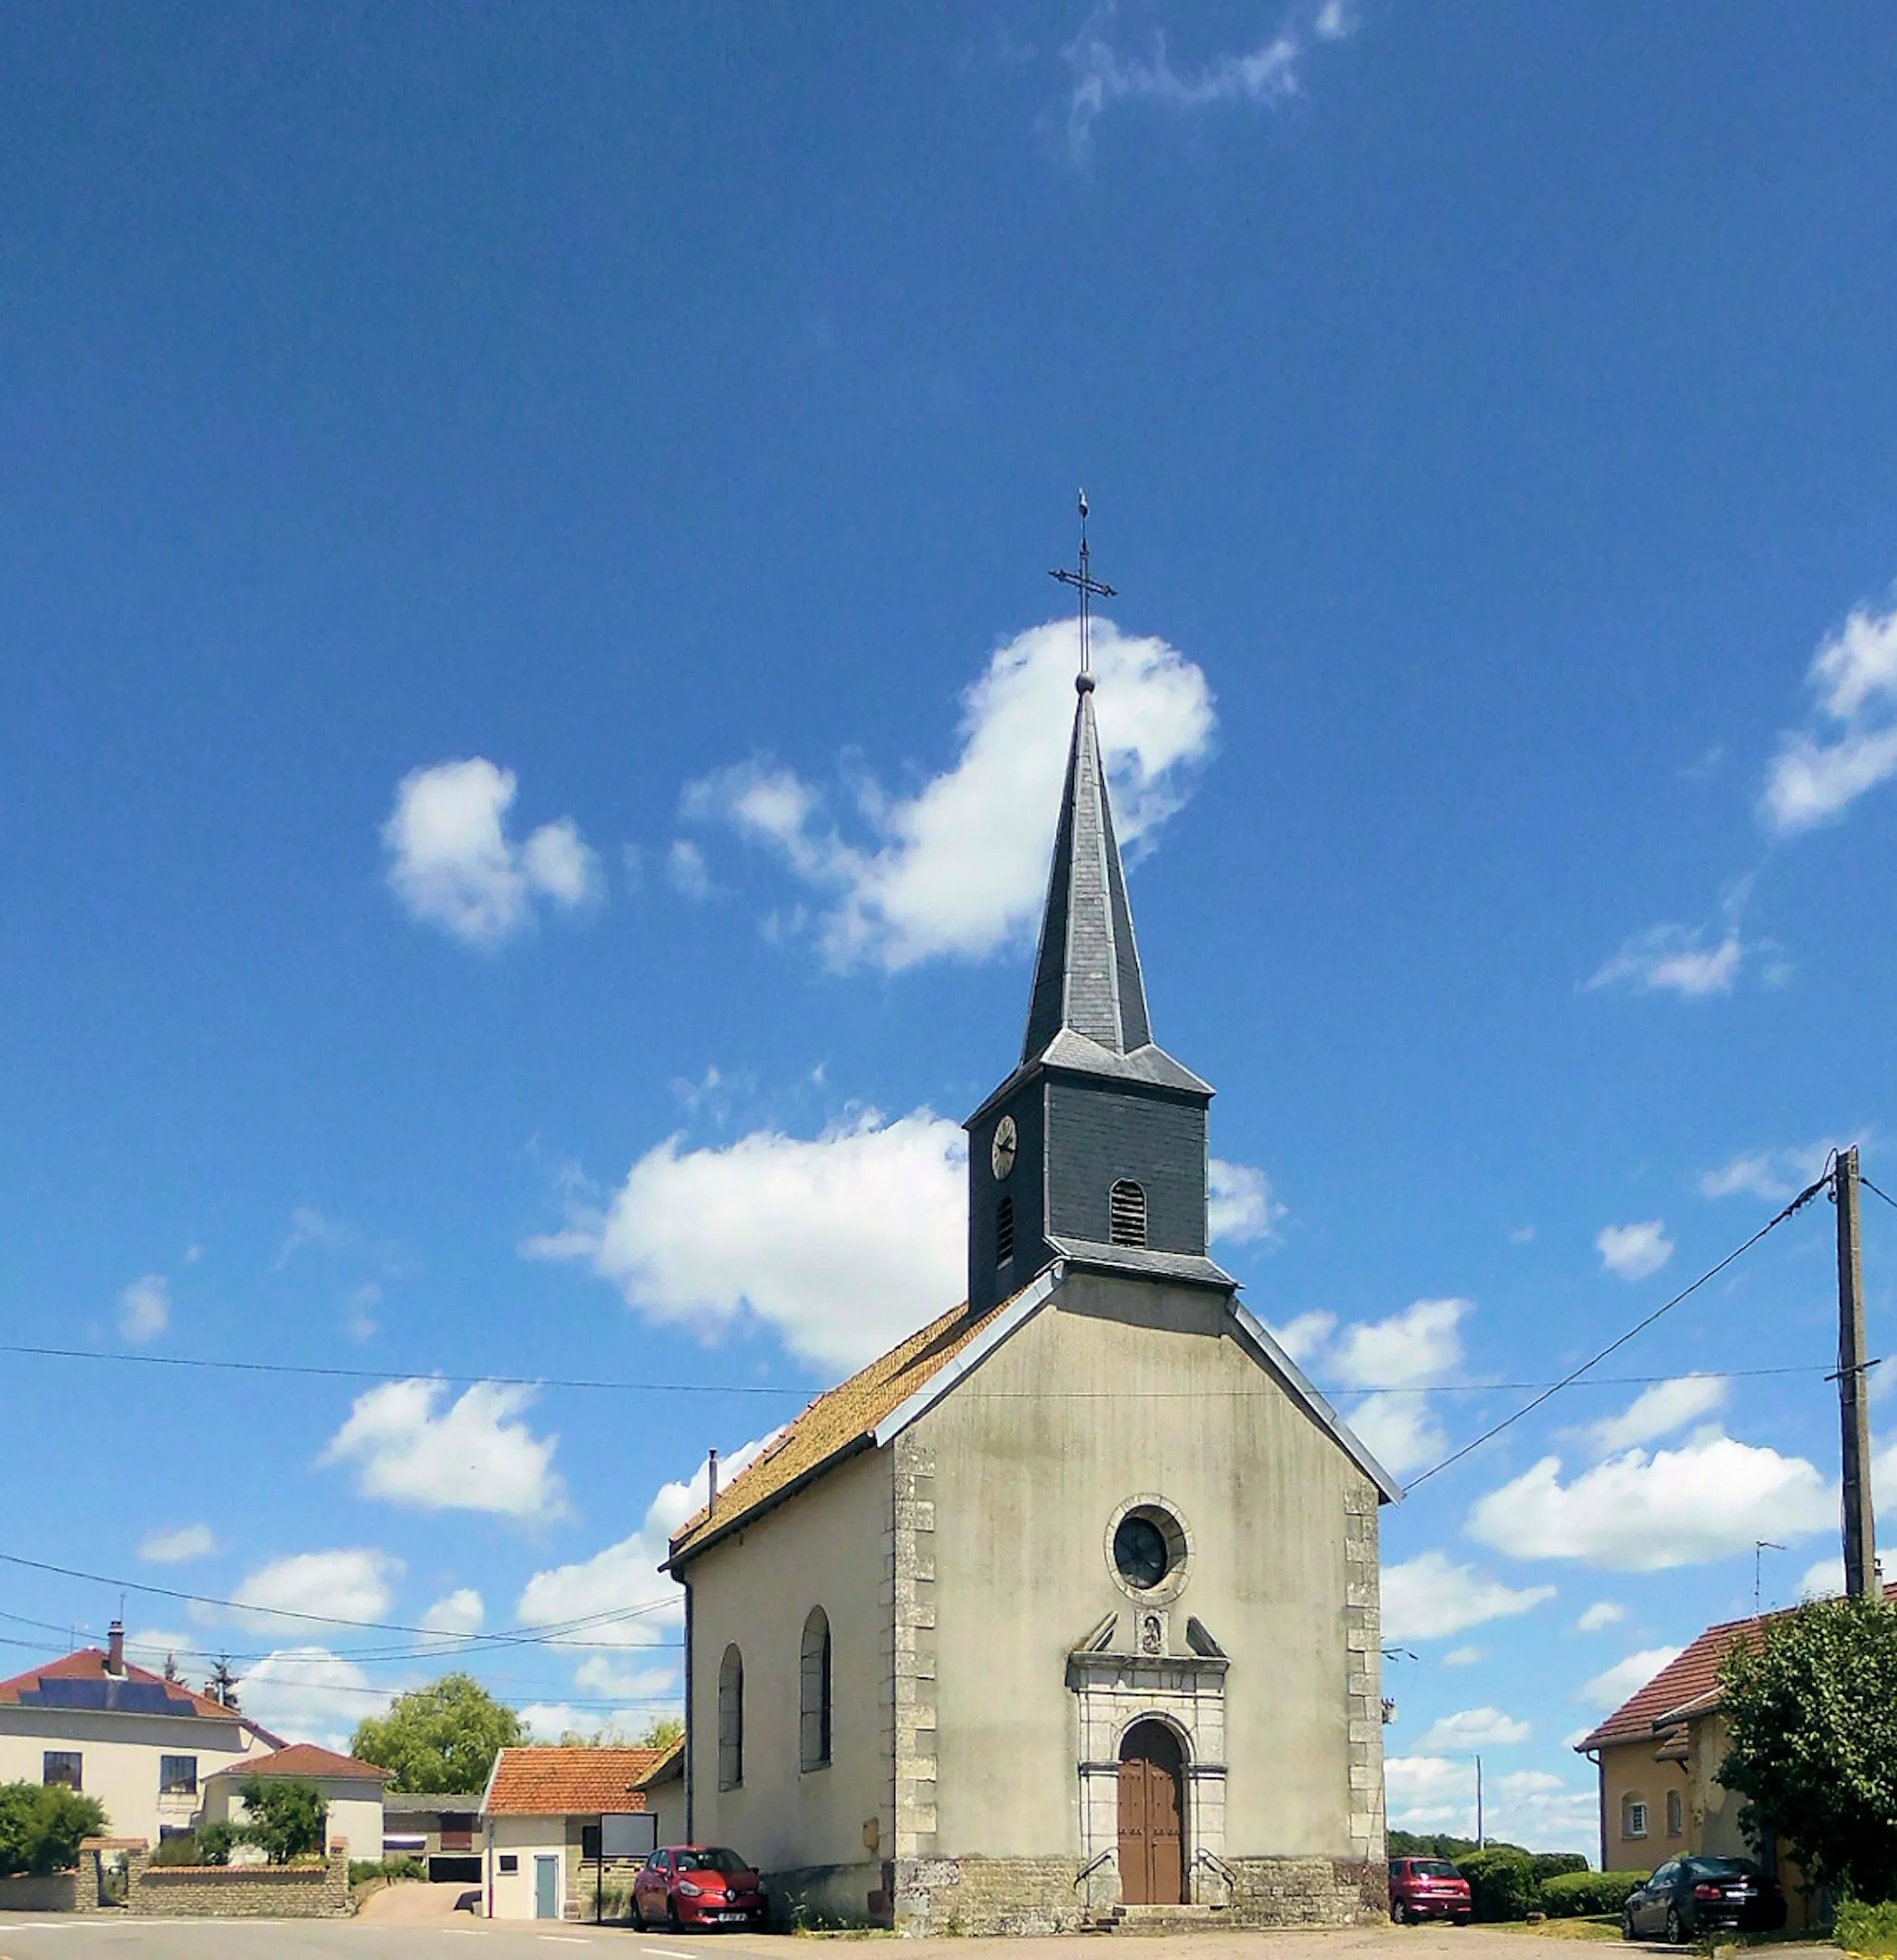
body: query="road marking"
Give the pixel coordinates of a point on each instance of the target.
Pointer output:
(666, 1953)
(562, 1939)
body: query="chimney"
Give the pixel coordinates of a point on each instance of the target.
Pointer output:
(114, 1647)
(711, 1483)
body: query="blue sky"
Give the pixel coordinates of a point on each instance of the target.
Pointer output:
(530, 704)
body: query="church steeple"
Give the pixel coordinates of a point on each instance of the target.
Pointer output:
(1087, 972)
(1094, 1149)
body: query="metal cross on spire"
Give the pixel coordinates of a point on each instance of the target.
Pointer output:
(1090, 588)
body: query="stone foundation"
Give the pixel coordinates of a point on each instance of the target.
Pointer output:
(1048, 1895)
(826, 1895)
(58, 1892)
(239, 1892)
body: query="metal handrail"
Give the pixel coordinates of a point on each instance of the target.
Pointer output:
(1087, 1871)
(1201, 1855)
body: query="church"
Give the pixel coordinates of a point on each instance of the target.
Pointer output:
(1064, 1613)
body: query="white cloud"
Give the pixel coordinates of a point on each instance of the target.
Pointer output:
(356, 1584)
(1754, 1173)
(700, 1235)
(1609, 1689)
(1472, 1729)
(309, 1227)
(1820, 772)
(461, 1611)
(1406, 1350)
(1658, 1410)
(1530, 1807)
(145, 1308)
(1635, 1252)
(310, 1694)
(1426, 1597)
(1240, 1206)
(476, 1455)
(606, 1679)
(359, 1310)
(1825, 1580)
(1429, 1792)
(625, 1578)
(1602, 1613)
(1706, 1499)
(175, 1548)
(1265, 76)
(1306, 1338)
(453, 864)
(1464, 1656)
(1400, 1431)
(1675, 959)
(685, 866)
(960, 867)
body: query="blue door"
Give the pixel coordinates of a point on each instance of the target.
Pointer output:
(546, 1887)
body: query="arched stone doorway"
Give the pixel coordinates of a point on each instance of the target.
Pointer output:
(1152, 1813)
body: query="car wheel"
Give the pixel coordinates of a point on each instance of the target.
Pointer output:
(673, 1923)
(1676, 1927)
(1626, 1923)
(1398, 1911)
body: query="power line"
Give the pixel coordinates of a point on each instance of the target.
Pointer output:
(545, 1633)
(1864, 1184)
(1797, 1204)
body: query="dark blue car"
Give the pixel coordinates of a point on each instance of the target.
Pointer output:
(1685, 1896)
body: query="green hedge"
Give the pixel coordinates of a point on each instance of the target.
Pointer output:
(390, 1868)
(1583, 1895)
(1862, 1928)
(1502, 1882)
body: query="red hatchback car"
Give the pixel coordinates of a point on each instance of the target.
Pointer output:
(1427, 1889)
(683, 1885)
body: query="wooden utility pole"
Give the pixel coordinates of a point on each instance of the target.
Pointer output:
(1854, 1389)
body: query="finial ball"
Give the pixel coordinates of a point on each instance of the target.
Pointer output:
(1083, 683)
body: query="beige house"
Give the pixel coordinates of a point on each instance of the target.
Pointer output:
(1067, 1606)
(1658, 1756)
(543, 1814)
(145, 1746)
(351, 1789)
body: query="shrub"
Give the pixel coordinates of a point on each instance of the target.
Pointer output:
(1502, 1882)
(41, 1824)
(286, 1816)
(209, 1846)
(1580, 1895)
(1556, 1865)
(385, 1868)
(1862, 1928)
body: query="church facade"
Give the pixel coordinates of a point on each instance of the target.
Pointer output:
(1065, 1609)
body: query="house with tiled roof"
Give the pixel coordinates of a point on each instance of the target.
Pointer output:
(351, 1789)
(555, 1829)
(1067, 1605)
(143, 1744)
(1658, 1756)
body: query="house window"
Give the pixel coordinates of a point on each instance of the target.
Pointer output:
(1675, 1815)
(1004, 1232)
(509, 1864)
(1127, 1213)
(814, 1698)
(732, 1719)
(1633, 1817)
(61, 1766)
(590, 1840)
(178, 1776)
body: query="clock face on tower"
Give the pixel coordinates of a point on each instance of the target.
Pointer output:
(1000, 1153)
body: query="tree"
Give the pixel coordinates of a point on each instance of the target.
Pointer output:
(1813, 1710)
(285, 1817)
(444, 1737)
(41, 1824)
(660, 1732)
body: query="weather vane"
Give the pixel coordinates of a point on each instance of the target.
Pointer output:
(1090, 588)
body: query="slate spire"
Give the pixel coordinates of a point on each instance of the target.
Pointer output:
(1087, 971)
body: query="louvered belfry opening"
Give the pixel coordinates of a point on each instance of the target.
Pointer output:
(1004, 1232)
(1127, 1213)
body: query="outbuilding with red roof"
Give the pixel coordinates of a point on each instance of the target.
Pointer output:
(351, 1789)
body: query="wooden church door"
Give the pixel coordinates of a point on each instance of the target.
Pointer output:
(1152, 1867)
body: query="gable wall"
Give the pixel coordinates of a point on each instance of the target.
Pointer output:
(827, 1546)
(1120, 1387)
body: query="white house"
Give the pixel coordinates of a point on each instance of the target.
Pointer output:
(352, 1790)
(144, 1746)
(542, 1813)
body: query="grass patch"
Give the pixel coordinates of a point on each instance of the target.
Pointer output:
(1597, 1926)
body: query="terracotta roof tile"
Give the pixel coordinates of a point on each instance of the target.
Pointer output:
(304, 1759)
(1689, 1685)
(836, 1422)
(89, 1665)
(568, 1782)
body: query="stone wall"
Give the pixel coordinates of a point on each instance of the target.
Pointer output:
(827, 1896)
(1306, 1891)
(1363, 1660)
(239, 1892)
(908, 1829)
(58, 1892)
(988, 1895)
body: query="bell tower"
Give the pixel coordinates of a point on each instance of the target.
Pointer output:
(1094, 1149)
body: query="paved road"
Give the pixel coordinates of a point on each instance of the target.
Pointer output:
(56, 1938)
